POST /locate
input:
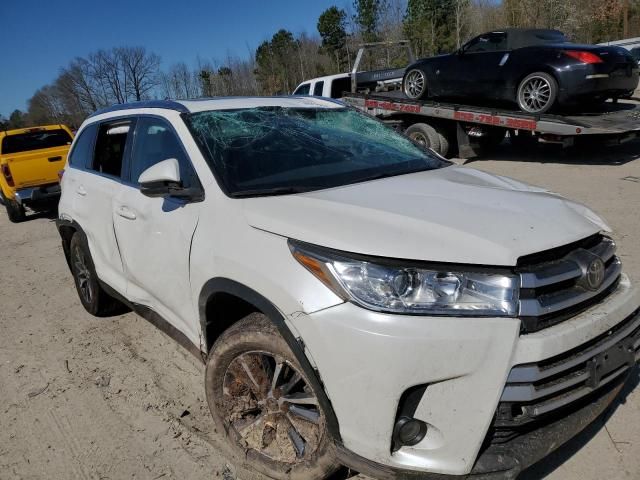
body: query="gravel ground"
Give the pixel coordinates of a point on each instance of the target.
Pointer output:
(114, 398)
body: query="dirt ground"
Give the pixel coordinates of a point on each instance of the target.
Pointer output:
(91, 398)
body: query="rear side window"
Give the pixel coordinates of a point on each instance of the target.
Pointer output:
(35, 140)
(303, 89)
(82, 152)
(317, 89)
(156, 141)
(339, 86)
(110, 146)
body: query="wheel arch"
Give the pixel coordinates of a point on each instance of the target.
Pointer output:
(230, 293)
(548, 69)
(67, 229)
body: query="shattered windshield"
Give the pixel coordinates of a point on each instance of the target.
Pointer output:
(276, 151)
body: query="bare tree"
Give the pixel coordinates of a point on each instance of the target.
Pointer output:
(109, 73)
(140, 70)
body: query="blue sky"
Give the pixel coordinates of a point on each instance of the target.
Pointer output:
(37, 38)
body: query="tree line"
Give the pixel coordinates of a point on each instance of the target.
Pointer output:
(278, 65)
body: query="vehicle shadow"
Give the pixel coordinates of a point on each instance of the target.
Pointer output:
(587, 152)
(554, 460)
(49, 214)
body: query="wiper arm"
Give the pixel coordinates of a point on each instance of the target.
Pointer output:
(265, 192)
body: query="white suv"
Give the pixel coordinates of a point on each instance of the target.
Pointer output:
(356, 299)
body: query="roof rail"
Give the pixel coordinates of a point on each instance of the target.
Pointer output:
(166, 104)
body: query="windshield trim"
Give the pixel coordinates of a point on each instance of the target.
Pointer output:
(219, 178)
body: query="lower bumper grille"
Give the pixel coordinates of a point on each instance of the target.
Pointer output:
(537, 391)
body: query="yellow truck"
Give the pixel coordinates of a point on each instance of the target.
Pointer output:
(31, 160)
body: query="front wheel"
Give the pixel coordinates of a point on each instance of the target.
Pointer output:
(537, 93)
(414, 84)
(258, 393)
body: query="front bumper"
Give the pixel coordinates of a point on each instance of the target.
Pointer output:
(367, 360)
(43, 193)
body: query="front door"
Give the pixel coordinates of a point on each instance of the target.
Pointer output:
(154, 234)
(478, 67)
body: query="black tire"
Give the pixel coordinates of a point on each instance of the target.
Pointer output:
(537, 93)
(15, 211)
(425, 135)
(443, 138)
(93, 297)
(414, 84)
(254, 345)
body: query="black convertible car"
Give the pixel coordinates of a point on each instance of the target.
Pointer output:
(534, 68)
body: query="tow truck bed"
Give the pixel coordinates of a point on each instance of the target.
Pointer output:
(619, 119)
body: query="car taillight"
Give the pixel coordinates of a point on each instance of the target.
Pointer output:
(582, 56)
(60, 174)
(7, 174)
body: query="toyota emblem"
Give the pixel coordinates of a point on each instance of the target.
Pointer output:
(595, 274)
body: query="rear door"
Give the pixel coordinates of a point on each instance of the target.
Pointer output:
(36, 156)
(154, 234)
(94, 189)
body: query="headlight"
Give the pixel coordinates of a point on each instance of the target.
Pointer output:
(382, 286)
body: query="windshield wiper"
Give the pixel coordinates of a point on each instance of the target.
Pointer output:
(265, 192)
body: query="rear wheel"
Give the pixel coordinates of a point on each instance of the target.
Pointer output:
(15, 211)
(537, 93)
(414, 84)
(425, 135)
(93, 297)
(258, 393)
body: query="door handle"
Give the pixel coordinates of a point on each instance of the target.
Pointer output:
(81, 191)
(124, 212)
(54, 159)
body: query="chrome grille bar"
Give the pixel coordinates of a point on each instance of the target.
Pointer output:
(562, 299)
(564, 269)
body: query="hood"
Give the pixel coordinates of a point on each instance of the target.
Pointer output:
(454, 214)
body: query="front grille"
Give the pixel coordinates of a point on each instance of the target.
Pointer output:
(555, 285)
(535, 392)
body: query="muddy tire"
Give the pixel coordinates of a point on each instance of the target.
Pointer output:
(15, 211)
(259, 395)
(93, 297)
(425, 135)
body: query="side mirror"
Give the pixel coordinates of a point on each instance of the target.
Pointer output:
(161, 179)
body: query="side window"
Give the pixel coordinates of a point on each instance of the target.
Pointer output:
(339, 86)
(303, 89)
(110, 146)
(82, 151)
(155, 141)
(489, 42)
(317, 89)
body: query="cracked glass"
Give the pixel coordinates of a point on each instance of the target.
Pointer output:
(278, 151)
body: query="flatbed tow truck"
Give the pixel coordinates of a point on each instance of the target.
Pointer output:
(469, 131)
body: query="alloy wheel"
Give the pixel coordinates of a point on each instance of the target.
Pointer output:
(83, 275)
(414, 84)
(272, 409)
(535, 94)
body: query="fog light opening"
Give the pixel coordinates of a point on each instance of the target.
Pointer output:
(408, 432)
